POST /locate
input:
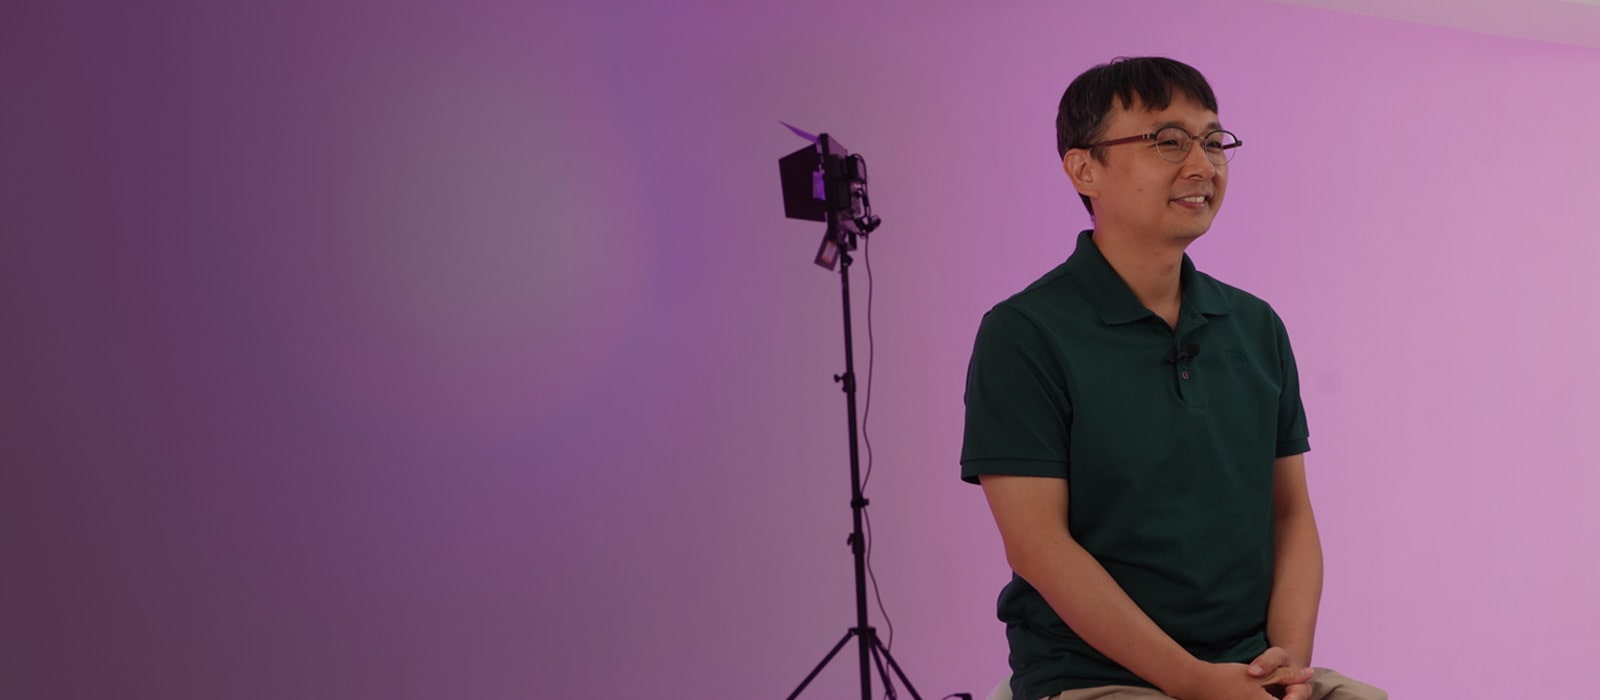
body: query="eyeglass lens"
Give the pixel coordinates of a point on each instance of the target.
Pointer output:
(1173, 145)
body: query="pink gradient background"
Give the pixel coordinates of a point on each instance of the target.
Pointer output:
(414, 350)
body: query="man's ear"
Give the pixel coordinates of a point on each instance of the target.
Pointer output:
(1084, 171)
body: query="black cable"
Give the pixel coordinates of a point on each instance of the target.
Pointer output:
(866, 439)
(866, 410)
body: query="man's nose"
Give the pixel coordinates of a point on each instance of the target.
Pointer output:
(1196, 163)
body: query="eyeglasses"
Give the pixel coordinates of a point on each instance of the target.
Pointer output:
(1172, 144)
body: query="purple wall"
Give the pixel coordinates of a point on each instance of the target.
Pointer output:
(401, 350)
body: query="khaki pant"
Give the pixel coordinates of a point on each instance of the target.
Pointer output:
(1325, 685)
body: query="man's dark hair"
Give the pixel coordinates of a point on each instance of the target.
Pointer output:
(1087, 101)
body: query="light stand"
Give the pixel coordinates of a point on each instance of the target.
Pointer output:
(849, 216)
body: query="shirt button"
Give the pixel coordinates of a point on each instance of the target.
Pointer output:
(1186, 374)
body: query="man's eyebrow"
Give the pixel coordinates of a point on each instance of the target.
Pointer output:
(1213, 126)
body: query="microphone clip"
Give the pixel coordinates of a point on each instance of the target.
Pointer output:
(1189, 352)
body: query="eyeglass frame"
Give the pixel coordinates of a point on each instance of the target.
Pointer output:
(1226, 155)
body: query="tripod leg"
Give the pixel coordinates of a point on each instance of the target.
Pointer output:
(883, 674)
(878, 649)
(831, 653)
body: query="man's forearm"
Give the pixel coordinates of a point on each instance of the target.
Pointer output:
(1080, 590)
(1296, 585)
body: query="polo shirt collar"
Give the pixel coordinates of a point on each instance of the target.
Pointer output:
(1116, 303)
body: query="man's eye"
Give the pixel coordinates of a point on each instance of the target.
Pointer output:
(1169, 143)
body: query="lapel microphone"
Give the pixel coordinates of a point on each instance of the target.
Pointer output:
(1189, 352)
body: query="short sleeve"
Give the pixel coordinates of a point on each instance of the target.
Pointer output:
(1018, 413)
(1293, 435)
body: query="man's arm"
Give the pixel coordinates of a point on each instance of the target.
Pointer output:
(1031, 513)
(1297, 563)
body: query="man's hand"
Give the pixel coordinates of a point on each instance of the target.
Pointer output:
(1237, 682)
(1281, 675)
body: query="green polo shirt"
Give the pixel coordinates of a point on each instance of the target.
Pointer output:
(1169, 458)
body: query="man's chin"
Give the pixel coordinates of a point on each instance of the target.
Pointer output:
(1191, 234)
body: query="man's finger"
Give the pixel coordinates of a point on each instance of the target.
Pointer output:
(1298, 691)
(1288, 675)
(1268, 661)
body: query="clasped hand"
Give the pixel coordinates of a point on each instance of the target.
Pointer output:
(1272, 675)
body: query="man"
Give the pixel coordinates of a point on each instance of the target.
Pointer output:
(1137, 430)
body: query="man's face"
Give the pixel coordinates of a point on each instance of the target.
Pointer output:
(1142, 194)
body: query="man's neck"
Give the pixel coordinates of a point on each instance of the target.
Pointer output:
(1152, 271)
